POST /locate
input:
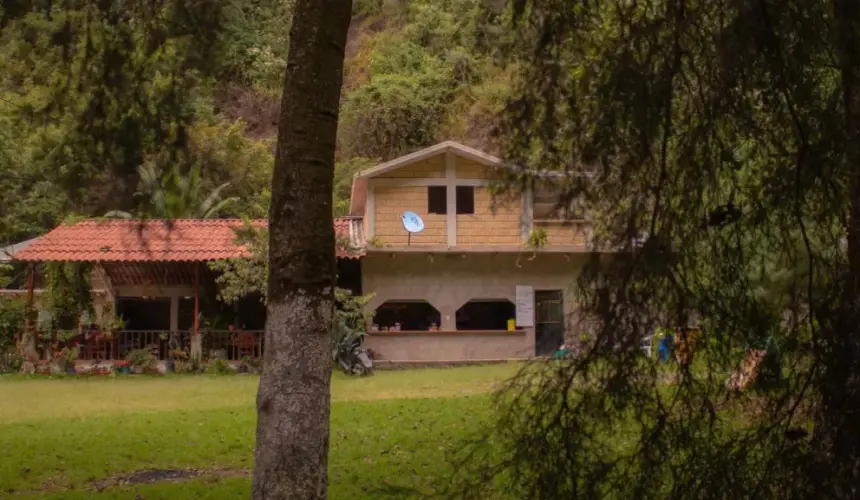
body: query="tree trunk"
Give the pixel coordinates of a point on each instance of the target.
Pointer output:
(291, 457)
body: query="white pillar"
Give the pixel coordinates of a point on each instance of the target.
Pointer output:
(451, 208)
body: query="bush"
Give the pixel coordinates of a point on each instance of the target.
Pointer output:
(219, 367)
(12, 320)
(253, 364)
(10, 362)
(402, 105)
(140, 360)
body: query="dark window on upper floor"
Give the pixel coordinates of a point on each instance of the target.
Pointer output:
(437, 200)
(465, 200)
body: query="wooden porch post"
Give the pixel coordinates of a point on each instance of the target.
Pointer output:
(196, 298)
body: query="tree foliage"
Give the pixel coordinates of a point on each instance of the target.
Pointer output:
(172, 195)
(716, 146)
(418, 77)
(91, 91)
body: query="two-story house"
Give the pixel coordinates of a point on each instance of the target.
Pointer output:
(489, 277)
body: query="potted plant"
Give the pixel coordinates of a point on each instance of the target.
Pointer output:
(140, 360)
(177, 361)
(63, 361)
(121, 367)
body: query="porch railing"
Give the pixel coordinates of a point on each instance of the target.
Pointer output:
(216, 344)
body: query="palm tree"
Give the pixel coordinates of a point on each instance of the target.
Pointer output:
(174, 196)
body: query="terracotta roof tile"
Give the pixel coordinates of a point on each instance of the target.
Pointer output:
(182, 240)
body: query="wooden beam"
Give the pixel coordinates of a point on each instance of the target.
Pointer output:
(425, 181)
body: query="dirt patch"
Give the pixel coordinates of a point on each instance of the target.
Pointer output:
(165, 476)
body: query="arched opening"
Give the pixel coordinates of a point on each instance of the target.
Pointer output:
(485, 314)
(406, 315)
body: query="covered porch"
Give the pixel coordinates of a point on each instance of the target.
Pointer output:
(152, 288)
(160, 306)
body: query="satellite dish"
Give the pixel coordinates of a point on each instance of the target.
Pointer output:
(412, 222)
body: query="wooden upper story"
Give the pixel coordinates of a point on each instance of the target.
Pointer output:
(465, 204)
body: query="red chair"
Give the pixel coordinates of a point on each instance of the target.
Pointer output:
(99, 346)
(246, 344)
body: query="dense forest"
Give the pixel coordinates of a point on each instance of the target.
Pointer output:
(156, 108)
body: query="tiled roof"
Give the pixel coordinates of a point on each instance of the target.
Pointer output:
(182, 240)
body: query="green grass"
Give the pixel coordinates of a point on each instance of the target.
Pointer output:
(392, 430)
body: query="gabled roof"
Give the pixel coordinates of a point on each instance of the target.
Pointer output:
(443, 147)
(181, 240)
(358, 196)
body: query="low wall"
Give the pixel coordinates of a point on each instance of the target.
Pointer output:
(444, 347)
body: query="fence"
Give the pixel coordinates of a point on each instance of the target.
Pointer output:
(217, 344)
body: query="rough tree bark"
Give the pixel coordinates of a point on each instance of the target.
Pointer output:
(291, 456)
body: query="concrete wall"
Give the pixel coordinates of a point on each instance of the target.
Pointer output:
(450, 347)
(447, 281)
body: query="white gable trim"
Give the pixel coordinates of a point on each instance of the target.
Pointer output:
(441, 148)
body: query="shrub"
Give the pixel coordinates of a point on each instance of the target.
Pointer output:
(402, 105)
(219, 367)
(10, 362)
(254, 364)
(13, 315)
(140, 360)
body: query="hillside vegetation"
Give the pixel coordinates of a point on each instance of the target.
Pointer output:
(94, 93)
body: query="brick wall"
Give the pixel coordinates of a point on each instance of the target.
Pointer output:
(557, 233)
(391, 202)
(431, 168)
(468, 169)
(494, 223)
(489, 227)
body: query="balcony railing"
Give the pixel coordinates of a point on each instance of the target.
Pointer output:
(216, 344)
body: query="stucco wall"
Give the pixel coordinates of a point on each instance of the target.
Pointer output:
(448, 347)
(447, 281)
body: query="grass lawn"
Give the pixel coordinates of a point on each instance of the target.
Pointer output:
(59, 438)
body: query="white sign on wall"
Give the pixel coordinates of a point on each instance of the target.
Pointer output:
(525, 306)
